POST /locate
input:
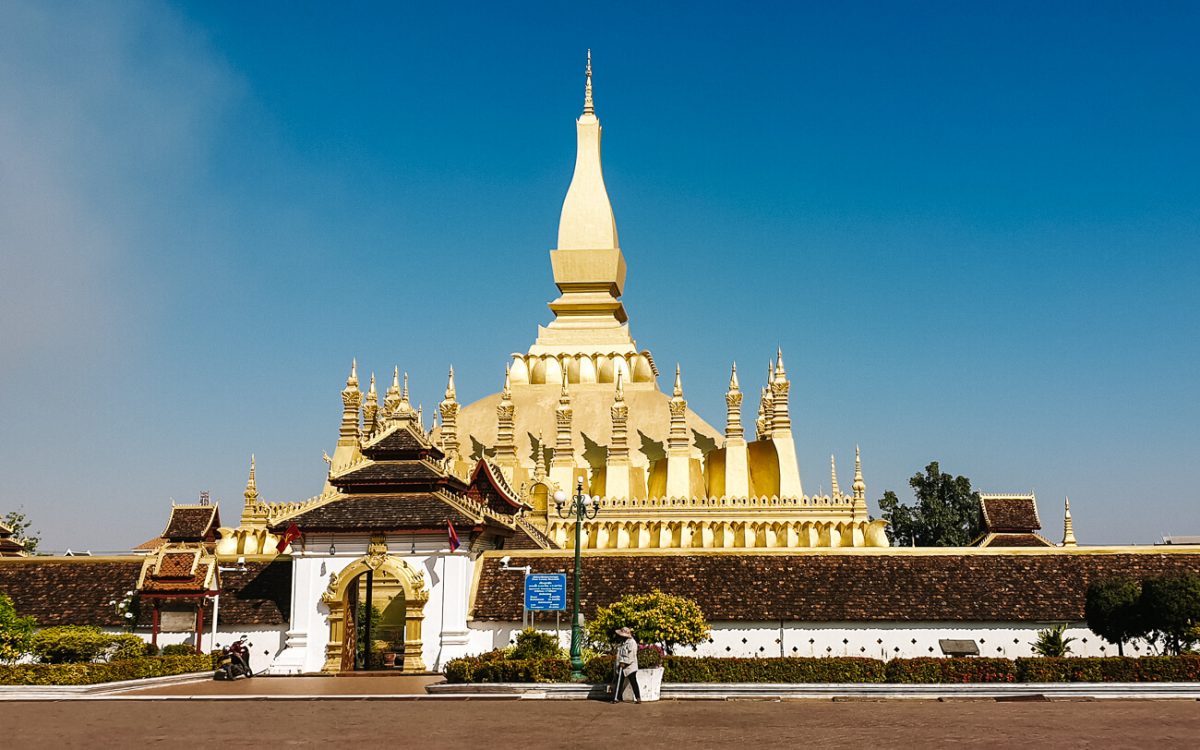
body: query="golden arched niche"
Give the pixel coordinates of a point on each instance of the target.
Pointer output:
(392, 579)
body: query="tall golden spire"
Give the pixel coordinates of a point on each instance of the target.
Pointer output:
(351, 400)
(449, 412)
(251, 493)
(677, 438)
(860, 487)
(562, 464)
(1068, 526)
(835, 490)
(370, 409)
(506, 447)
(781, 421)
(391, 399)
(733, 407)
(618, 452)
(588, 108)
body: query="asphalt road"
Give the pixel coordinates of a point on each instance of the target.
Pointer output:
(537, 725)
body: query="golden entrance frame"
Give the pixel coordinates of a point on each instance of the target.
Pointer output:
(415, 598)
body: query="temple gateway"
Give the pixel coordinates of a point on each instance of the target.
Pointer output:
(413, 551)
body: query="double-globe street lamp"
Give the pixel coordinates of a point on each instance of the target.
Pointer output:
(581, 507)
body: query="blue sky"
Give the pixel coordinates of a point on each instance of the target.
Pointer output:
(974, 232)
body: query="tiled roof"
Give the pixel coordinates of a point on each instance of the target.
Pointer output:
(400, 441)
(179, 570)
(389, 473)
(1015, 540)
(854, 587)
(416, 511)
(1010, 513)
(75, 591)
(192, 523)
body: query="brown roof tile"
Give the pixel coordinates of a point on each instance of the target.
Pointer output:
(417, 511)
(1010, 513)
(69, 592)
(192, 523)
(839, 587)
(262, 595)
(1015, 540)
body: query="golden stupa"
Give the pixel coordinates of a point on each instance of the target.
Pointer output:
(583, 405)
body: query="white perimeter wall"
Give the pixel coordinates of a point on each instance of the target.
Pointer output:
(875, 640)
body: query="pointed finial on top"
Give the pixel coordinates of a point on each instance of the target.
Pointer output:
(352, 381)
(1068, 527)
(620, 385)
(678, 381)
(1068, 503)
(833, 480)
(450, 392)
(780, 373)
(733, 381)
(396, 377)
(404, 390)
(506, 392)
(371, 390)
(770, 371)
(588, 107)
(860, 487)
(251, 493)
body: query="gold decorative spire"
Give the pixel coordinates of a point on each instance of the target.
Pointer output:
(564, 448)
(1068, 526)
(351, 400)
(540, 471)
(781, 421)
(835, 489)
(860, 487)
(370, 409)
(618, 452)
(588, 107)
(506, 447)
(449, 412)
(404, 390)
(251, 494)
(677, 438)
(733, 410)
(391, 399)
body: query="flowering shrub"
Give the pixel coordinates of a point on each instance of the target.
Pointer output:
(16, 631)
(656, 617)
(649, 656)
(128, 610)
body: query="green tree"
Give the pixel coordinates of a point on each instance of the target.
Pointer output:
(19, 524)
(946, 513)
(1171, 608)
(1113, 610)
(16, 632)
(664, 619)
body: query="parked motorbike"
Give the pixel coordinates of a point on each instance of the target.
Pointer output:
(234, 663)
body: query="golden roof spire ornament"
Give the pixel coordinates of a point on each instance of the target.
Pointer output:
(449, 411)
(370, 409)
(562, 465)
(251, 494)
(618, 451)
(733, 408)
(352, 381)
(391, 399)
(780, 373)
(678, 390)
(404, 390)
(588, 106)
(1068, 526)
(506, 446)
(860, 487)
(835, 490)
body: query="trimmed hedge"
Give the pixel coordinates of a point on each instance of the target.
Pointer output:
(93, 673)
(928, 670)
(492, 667)
(483, 669)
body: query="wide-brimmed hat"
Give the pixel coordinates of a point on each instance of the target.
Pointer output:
(624, 632)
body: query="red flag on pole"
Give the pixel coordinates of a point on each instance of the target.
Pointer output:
(453, 536)
(289, 536)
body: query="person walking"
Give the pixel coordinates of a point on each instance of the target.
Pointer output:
(626, 665)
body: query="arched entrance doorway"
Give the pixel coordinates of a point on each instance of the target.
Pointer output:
(376, 607)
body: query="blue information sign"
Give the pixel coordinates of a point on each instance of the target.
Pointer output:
(546, 592)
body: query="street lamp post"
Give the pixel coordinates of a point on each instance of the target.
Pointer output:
(581, 507)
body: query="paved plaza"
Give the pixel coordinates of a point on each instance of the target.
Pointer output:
(538, 724)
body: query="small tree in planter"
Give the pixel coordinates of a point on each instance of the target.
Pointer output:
(664, 619)
(660, 622)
